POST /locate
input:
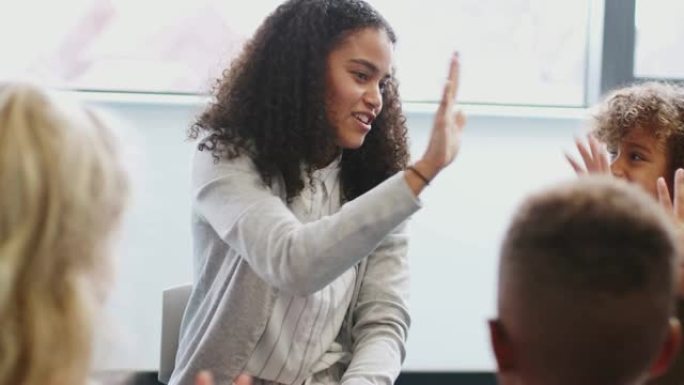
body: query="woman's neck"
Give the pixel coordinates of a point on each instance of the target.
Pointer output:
(330, 156)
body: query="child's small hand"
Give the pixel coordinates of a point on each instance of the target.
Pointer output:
(594, 156)
(675, 207)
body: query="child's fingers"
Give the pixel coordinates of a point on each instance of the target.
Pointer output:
(594, 148)
(663, 195)
(586, 155)
(678, 192)
(605, 163)
(574, 164)
(598, 154)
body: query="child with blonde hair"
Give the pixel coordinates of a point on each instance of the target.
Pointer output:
(62, 192)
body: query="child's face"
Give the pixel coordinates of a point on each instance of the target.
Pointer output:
(357, 71)
(641, 158)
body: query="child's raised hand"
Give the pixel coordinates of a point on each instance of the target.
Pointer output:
(594, 156)
(675, 207)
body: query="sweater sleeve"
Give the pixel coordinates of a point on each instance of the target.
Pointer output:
(291, 256)
(380, 315)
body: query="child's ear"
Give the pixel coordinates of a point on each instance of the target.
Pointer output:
(501, 346)
(669, 349)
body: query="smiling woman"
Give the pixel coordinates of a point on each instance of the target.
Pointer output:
(300, 202)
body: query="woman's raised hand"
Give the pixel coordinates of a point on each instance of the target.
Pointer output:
(447, 129)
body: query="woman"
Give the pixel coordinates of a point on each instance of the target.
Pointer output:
(301, 191)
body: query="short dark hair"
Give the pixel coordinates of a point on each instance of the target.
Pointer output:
(590, 267)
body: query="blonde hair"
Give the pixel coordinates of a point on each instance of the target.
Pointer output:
(62, 190)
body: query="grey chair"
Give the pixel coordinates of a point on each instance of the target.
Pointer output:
(174, 300)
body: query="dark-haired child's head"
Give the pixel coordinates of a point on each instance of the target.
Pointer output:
(586, 287)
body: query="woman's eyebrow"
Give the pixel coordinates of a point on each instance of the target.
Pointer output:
(369, 65)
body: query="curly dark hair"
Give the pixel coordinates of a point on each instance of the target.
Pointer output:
(270, 103)
(656, 107)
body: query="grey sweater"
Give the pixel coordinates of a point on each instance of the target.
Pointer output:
(248, 245)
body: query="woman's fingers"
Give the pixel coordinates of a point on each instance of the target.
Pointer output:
(454, 77)
(451, 86)
(460, 119)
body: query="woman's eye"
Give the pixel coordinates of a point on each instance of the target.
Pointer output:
(636, 156)
(612, 154)
(360, 76)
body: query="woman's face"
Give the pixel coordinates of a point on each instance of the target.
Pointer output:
(357, 71)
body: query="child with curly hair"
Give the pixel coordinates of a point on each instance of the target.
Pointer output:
(642, 127)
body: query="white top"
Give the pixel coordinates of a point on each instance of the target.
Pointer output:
(302, 329)
(249, 248)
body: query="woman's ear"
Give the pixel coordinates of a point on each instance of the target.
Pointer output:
(669, 350)
(501, 346)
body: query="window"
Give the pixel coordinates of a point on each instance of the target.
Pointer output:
(125, 45)
(659, 48)
(514, 51)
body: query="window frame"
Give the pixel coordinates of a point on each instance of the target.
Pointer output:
(619, 47)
